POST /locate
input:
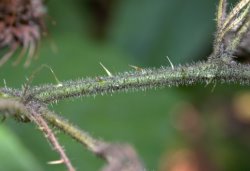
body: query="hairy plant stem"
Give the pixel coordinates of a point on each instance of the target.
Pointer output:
(118, 156)
(73, 131)
(43, 126)
(18, 104)
(198, 73)
(13, 107)
(31, 102)
(30, 112)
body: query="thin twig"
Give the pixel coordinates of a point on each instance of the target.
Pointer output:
(118, 156)
(73, 131)
(222, 12)
(234, 12)
(43, 126)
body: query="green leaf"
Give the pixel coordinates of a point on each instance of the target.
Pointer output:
(14, 156)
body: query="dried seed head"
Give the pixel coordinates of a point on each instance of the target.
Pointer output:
(21, 24)
(232, 30)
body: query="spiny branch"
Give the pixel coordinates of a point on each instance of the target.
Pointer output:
(16, 108)
(63, 125)
(32, 103)
(118, 156)
(198, 73)
(43, 126)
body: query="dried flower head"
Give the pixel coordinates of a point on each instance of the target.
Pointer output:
(232, 35)
(21, 24)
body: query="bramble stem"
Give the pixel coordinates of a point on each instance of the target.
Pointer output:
(76, 133)
(43, 126)
(31, 102)
(199, 73)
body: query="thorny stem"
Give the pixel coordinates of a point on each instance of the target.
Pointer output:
(118, 156)
(77, 134)
(43, 126)
(15, 107)
(218, 69)
(198, 73)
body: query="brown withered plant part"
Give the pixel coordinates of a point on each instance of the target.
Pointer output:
(233, 34)
(21, 25)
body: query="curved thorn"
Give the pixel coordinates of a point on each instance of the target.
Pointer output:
(106, 70)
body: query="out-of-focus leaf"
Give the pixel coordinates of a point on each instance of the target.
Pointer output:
(13, 155)
(151, 30)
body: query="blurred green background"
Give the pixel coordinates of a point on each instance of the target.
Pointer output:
(171, 128)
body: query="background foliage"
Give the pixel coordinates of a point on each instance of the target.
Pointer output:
(164, 125)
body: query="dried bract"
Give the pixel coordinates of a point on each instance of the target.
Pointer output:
(232, 36)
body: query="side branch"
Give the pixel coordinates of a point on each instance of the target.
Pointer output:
(43, 126)
(117, 156)
(28, 112)
(77, 134)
